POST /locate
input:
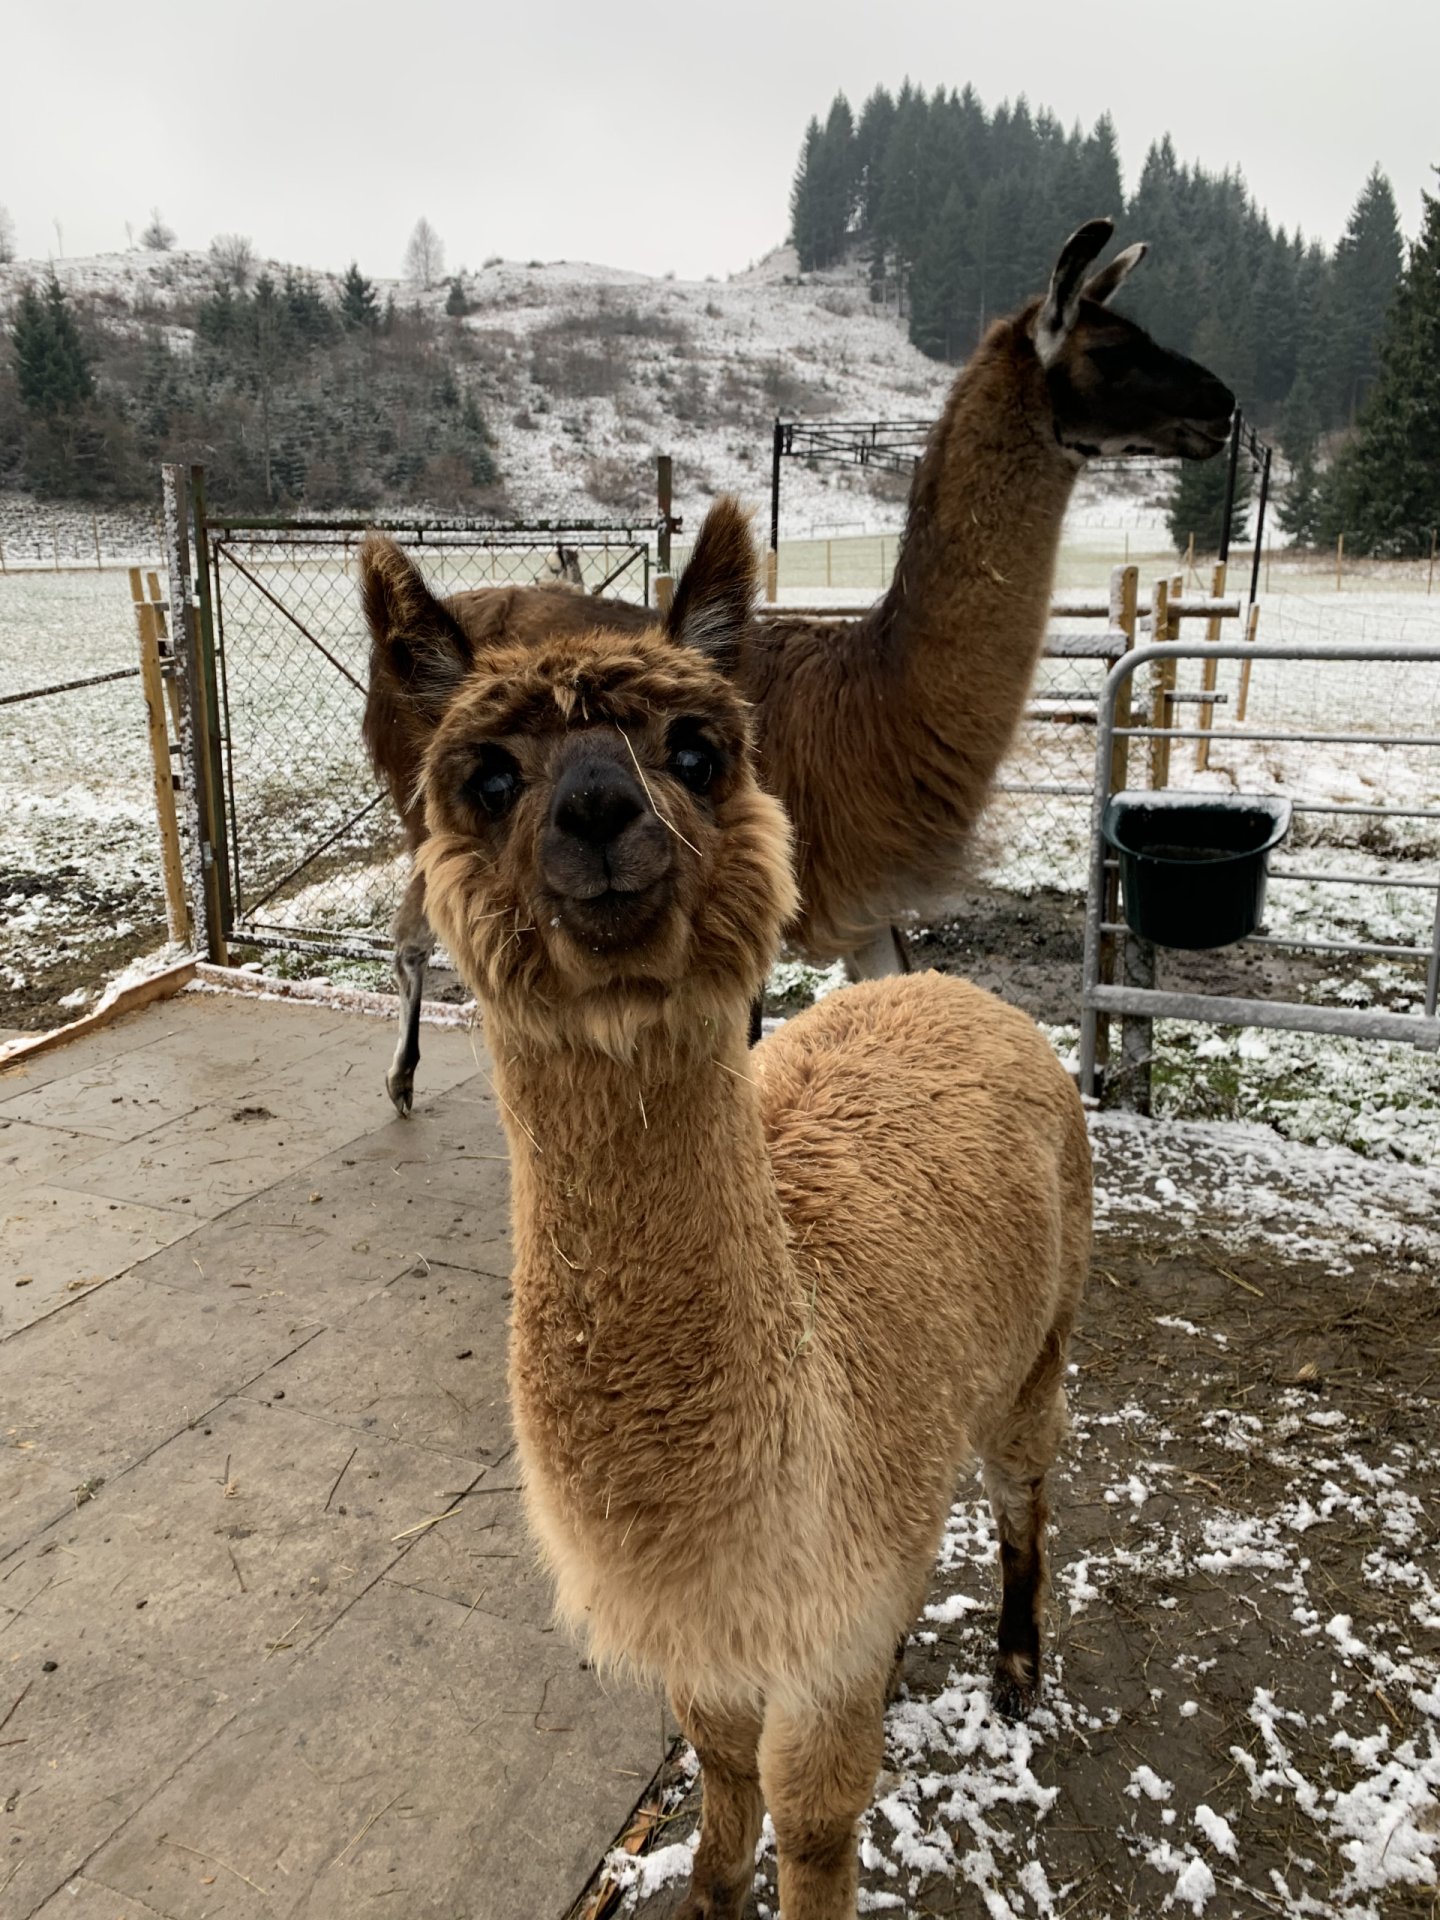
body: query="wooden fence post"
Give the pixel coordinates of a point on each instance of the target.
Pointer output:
(1244, 701)
(1339, 561)
(772, 573)
(147, 618)
(1208, 677)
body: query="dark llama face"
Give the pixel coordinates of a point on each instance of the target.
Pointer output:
(1113, 389)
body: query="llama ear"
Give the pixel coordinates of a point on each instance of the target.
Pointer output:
(1108, 282)
(711, 608)
(1061, 304)
(415, 641)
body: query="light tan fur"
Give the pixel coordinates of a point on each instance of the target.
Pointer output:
(881, 737)
(766, 1304)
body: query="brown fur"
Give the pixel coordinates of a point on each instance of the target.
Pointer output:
(768, 1303)
(882, 737)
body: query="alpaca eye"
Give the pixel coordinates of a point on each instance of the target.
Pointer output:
(693, 761)
(495, 783)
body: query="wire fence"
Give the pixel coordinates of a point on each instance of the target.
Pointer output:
(314, 848)
(80, 891)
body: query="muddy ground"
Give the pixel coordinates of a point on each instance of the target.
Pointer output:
(1245, 1555)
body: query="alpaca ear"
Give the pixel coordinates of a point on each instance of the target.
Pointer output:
(1061, 304)
(711, 608)
(1108, 282)
(416, 642)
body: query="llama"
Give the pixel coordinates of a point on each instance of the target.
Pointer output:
(882, 737)
(765, 1303)
(562, 569)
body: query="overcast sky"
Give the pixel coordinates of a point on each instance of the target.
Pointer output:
(652, 137)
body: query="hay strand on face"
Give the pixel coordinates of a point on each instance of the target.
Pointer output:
(651, 798)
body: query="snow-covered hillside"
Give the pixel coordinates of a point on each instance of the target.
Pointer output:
(584, 373)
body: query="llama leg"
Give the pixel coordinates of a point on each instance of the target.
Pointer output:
(882, 954)
(732, 1810)
(1015, 1464)
(414, 943)
(818, 1771)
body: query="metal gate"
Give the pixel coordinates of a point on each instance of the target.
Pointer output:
(297, 847)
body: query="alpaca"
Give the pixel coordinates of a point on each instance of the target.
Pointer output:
(882, 737)
(765, 1303)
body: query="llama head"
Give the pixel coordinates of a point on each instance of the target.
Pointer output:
(418, 650)
(1114, 390)
(601, 858)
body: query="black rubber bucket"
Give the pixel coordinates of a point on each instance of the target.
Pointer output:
(1193, 865)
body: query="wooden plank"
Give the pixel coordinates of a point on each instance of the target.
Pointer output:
(1244, 702)
(144, 993)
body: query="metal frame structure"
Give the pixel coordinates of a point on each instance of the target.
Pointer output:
(1100, 999)
(896, 445)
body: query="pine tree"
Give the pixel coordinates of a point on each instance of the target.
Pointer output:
(1198, 504)
(7, 237)
(456, 305)
(358, 307)
(1383, 493)
(1367, 267)
(806, 194)
(52, 370)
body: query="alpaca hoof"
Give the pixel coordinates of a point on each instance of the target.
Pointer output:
(401, 1089)
(1014, 1688)
(712, 1902)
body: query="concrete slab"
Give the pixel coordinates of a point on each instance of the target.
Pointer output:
(118, 1098)
(423, 1362)
(101, 1384)
(423, 1760)
(212, 1157)
(93, 1740)
(271, 1673)
(59, 1244)
(85, 1899)
(483, 1558)
(29, 1153)
(233, 1545)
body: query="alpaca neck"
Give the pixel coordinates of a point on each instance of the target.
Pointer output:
(649, 1236)
(966, 614)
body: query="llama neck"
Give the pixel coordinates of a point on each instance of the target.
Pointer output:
(965, 617)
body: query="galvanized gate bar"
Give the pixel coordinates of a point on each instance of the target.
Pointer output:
(1097, 997)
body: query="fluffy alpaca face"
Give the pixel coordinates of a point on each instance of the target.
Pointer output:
(598, 843)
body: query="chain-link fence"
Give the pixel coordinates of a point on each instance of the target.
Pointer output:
(314, 851)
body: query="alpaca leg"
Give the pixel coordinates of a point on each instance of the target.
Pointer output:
(884, 953)
(414, 944)
(897, 1670)
(818, 1771)
(1016, 1460)
(732, 1810)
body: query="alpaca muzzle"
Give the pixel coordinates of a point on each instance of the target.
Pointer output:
(604, 854)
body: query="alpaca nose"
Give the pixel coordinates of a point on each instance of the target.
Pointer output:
(595, 802)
